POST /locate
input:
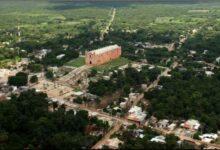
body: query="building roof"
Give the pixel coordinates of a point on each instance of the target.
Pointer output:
(78, 93)
(60, 56)
(209, 73)
(218, 59)
(163, 122)
(105, 49)
(209, 135)
(158, 139)
(136, 114)
(191, 124)
(207, 140)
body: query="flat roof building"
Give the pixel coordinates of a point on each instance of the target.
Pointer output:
(136, 114)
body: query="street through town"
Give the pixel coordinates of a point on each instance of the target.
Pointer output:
(124, 121)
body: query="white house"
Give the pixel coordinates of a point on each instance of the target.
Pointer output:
(208, 137)
(209, 73)
(78, 93)
(217, 59)
(163, 123)
(158, 139)
(191, 124)
(192, 52)
(172, 126)
(136, 114)
(60, 56)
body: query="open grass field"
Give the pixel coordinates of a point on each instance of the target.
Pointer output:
(218, 141)
(47, 19)
(112, 65)
(78, 62)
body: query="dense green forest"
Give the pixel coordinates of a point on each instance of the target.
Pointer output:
(205, 41)
(26, 123)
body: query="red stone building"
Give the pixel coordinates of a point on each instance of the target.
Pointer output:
(102, 55)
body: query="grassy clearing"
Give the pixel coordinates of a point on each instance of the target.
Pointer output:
(218, 141)
(164, 19)
(198, 11)
(78, 62)
(112, 64)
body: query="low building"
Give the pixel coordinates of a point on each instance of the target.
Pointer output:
(139, 133)
(209, 73)
(123, 104)
(144, 86)
(137, 115)
(90, 96)
(205, 52)
(158, 139)
(133, 96)
(208, 137)
(78, 93)
(106, 78)
(153, 121)
(191, 124)
(217, 60)
(60, 56)
(116, 108)
(172, 126)
(163, 123)
(192, 52)
(42, 53)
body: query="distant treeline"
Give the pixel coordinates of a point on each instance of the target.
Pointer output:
(137, 0)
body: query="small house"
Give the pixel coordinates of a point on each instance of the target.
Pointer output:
(137, 115)
(158, 139)
(191, 124)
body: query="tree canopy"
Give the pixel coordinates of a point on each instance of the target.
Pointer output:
(20, 79)
(26, 122)
(188, 95)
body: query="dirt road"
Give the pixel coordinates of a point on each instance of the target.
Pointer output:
(106, 30)
(155, 83)
(102, 142)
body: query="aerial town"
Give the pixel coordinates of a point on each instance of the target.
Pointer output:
(99, 79)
